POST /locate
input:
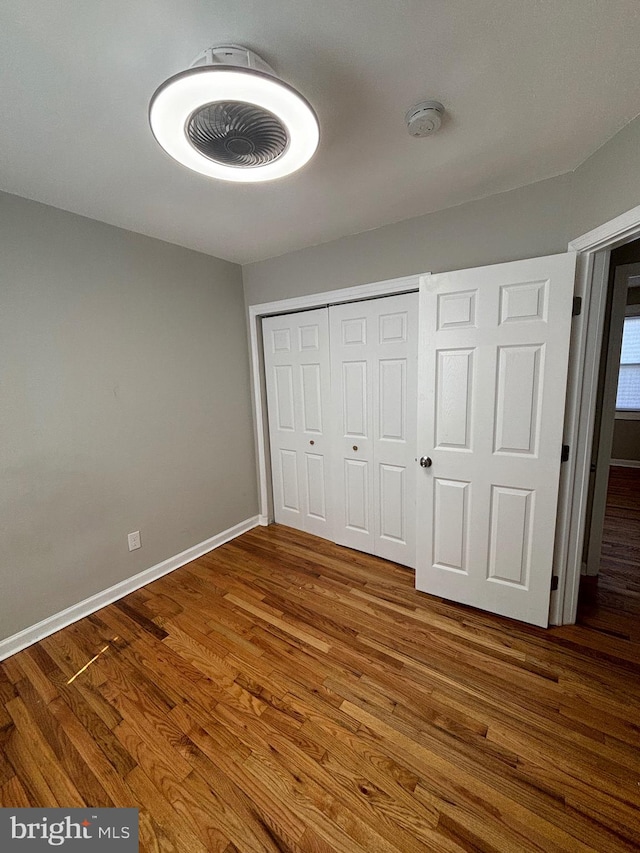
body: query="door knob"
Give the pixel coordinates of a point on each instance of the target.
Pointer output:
(426, 462)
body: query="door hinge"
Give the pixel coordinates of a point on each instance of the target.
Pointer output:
(554, 582)
(577, 306)
(564, 456)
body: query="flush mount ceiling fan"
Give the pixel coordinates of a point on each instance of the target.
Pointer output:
(229, 116)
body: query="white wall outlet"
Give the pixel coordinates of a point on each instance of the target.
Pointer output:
(134, 540)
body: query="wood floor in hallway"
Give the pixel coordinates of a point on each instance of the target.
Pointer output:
(613, 603)
(286, 694)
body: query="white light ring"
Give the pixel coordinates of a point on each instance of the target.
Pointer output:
(177, 99)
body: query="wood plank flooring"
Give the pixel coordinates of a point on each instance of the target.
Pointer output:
(286, 694)
(612, 603)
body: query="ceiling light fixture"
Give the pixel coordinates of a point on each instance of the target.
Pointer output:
(230, 117)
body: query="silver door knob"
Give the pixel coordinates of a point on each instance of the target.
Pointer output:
(426, 462)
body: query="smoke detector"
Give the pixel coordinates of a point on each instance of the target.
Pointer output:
(425, 118)
(229, 116)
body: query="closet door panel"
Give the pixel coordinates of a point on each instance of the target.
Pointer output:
(350, 332)
(373, 368)
(296, 355)
(395, 365)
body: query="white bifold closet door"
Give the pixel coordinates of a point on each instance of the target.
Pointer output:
(373, 380)
(341, 398)
(296, 352)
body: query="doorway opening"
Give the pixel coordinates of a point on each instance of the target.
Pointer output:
(609, 595)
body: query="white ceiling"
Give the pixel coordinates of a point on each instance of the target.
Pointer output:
(531, 87)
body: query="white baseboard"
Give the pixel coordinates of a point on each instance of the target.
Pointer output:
(263, 520)
(625, 463)
(54, 623)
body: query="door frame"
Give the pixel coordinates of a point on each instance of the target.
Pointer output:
(390, 287)
(608, 412)
(592, 276)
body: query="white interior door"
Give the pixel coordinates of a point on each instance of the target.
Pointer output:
(373, 379)
(492, 374)
(296, 354)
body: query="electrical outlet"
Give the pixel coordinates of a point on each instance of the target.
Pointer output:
(134, 540)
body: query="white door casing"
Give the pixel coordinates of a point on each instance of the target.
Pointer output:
(373, 380)
(297, 373)
(492, 373)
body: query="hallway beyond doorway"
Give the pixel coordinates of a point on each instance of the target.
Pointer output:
(613, 596)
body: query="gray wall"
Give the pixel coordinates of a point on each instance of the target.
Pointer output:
(626, 440)
(608, 183)
(523, 223)
(538, 219)
(125, 406)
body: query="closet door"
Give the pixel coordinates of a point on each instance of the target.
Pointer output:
(296, 354)
(373, 379)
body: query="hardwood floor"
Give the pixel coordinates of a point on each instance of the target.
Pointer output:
(612, 603)
(285, 694)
